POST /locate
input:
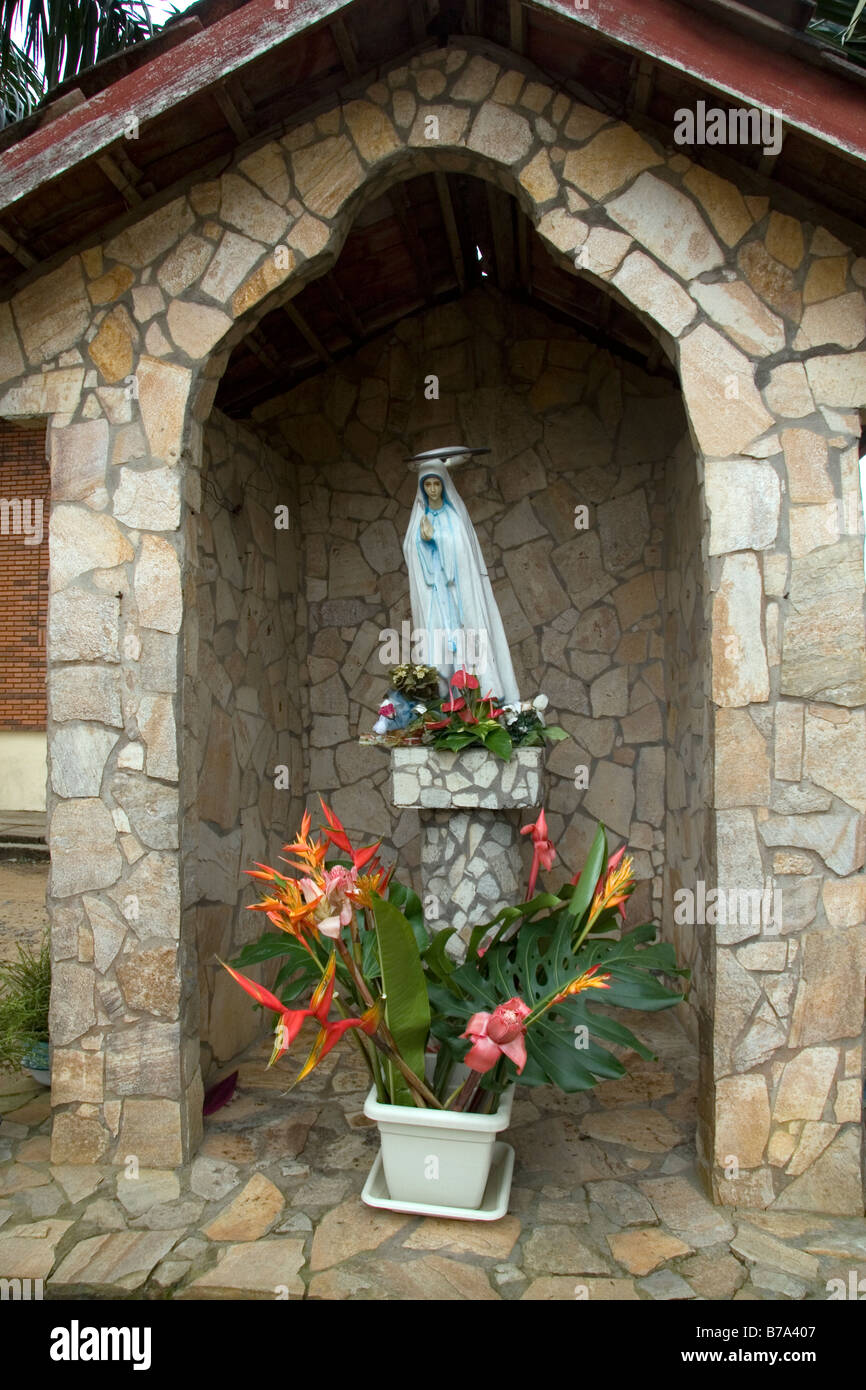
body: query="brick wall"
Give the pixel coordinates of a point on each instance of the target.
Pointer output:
(24, 474)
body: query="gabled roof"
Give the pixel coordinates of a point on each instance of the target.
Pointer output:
(226, 75)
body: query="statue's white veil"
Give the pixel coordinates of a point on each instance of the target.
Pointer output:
(477, 598)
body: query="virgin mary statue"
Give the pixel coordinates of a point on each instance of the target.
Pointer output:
(452, 601)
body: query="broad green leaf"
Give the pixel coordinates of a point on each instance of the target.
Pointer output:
(407, 1012)
(596, 860)
(498, 740)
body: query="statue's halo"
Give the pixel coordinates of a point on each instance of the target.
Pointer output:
(449, 456)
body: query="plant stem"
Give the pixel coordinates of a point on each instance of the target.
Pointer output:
(467, 1090)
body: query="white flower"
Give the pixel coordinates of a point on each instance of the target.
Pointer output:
(540, 703)
(420, 709)
(511, 713)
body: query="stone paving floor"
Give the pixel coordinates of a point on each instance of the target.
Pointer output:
(605, 1205)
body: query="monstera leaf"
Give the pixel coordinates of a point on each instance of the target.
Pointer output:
(561, 1045)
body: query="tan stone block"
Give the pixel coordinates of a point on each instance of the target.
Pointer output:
(538, 178)
(267, 1269)
(771, 280)
(744, 500)
(613, 158)
(251, 1214)
(838, 380)
(836, 755)
(150, 981)
(667, 222)
(824, 649)
(805, 1085)
(163, 388)
(758, 1247)
(244, 207)
(556, 1287)
(111, 285)
(53, 312)
(642, 1251)
(476, 80)
(11, 361)
(603, 251)
(151, 1130)
(647, 287)
(813, 1140)
(309, 235)
(508, 88)
(854, 1061)
(742, 1120)
(121, 1260)
(737, 310)
(157, 726)
(848, 1105)
(48, 393)
(157, 586)
(84, 855)
(832, 1184)
(195, 328)
(845, 901)
(430, 84)
(787, 392)
(439, 125)
(501, 134)
(112, 349)
(77, 1140)
(841, 320)
(494, 1240)
(787, 862)
(648, 1131)
(267, 168)
(722, 201)
(780, 1148)
(829, 1001)
(372, 132)
(742, 765)
(349, 1229)
(784, 240)
(79, 458)
(812, 528)
(740, 672)
(826, 279)
(326, 173)
(718, 383)
(235, 257)
(75, 1076)
(141, 243)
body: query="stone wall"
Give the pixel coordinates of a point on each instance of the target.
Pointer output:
(243, 733)
(568, 425)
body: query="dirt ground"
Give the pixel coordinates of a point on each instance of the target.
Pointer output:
(23, 919)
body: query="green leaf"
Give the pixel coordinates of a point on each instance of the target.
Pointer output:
(554, 733)
(267, 947)
(407, 1011)
(436, 959)
(595, 861)
(498, 740)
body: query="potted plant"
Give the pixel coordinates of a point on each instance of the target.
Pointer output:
(444, 1043)
(25, 989)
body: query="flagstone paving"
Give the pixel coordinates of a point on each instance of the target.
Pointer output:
(605, 1205)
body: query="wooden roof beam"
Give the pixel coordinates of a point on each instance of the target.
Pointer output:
(499, 206)
(308, 334)
(344, 310)
(345, 47)
(642, 85)
(400, 203)
(451, 233)
(231, 115)
(517, 22)
(21, 254)
(261, 348)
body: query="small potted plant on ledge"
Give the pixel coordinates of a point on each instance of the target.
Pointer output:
(25, 989)
(444, 1043)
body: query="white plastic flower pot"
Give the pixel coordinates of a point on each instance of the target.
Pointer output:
(437, 1158)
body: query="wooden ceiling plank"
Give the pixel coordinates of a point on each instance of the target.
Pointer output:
(451, 233)
(230, 113)
(112, 171)
(414, 241)
(345, 47)
(344, 309)
(517, 21)
(21, 254)
(501, 225)
(307, 332)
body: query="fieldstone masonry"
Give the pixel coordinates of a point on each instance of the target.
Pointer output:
(760, 664)
(469, 804)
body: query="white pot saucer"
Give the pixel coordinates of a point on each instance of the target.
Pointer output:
(494, 1203)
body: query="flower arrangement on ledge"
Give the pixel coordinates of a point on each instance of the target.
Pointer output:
(414, 712)
(352, 940)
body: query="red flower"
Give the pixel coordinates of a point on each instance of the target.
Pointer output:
(543, 851)
(493, 1035)
(337, 835)
(452, 706)
(461, 680)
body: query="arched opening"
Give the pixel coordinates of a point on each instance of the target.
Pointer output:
(446, 318)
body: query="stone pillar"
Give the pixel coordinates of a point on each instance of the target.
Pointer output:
(470, 807)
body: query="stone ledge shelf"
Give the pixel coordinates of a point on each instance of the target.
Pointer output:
(470, 805)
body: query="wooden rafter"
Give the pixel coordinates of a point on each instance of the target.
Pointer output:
(400, 204)
(344, 310)
(232, 116)
(499, 206)
(308, 333)
(261, 348)
(21, 254)
(345, 47)
(642, 85)
(517, 22)
(451, 233)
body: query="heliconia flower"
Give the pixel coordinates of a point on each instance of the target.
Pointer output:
(337, 835)
(613, 885)
(331, 900)
(497, 1034)
(331, 1033)
(462, 680)
(588, 980)
(290, 1021)
(543, 850)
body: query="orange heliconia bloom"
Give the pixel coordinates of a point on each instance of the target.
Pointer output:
(588, 980)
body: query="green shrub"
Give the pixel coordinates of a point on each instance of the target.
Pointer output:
(25, 987)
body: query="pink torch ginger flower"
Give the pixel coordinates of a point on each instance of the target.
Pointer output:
(543, 850)
(497, 1034)
(334, 905)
